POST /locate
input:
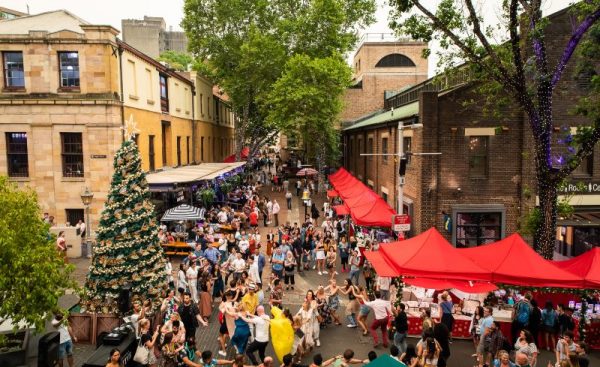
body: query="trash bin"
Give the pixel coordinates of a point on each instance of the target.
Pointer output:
(84, 249)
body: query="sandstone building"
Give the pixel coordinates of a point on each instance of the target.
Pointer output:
(150, 36)
(67, 89)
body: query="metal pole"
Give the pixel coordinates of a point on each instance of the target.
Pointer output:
(88, 229)
(400, 178)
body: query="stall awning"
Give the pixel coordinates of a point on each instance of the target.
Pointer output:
(332, 194)
(586, 266)
(513, 261)
(430, 255)
(191, 174)
(461, 285)
(341, 209)
(182, 212)
(243, 155)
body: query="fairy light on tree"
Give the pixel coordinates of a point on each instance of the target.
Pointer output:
(518, 69)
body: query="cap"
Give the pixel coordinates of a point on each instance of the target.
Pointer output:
(252, 286)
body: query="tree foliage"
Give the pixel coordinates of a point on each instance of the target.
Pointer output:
(32, 273)
(245, 47)
(517, 69)
(177, 60)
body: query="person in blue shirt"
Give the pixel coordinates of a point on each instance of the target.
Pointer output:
(260, 260)
(486, 324)
(277, 263)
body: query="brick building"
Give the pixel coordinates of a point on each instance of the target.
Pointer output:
(484, 179)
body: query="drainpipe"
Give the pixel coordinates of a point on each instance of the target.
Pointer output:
(193, 127)
(122, 97)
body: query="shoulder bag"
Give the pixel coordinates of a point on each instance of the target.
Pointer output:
(142, 354)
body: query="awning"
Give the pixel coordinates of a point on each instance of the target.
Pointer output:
(513, 261)
(586, 266)
(461, 285)
(243, 155)
(166, 178)
(380, 264)
(430, 255)
(332, 194)
(182, 212)
(341, 209)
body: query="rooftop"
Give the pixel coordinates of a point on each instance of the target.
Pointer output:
(51, 22)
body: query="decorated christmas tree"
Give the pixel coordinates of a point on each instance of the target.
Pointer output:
(127, 249)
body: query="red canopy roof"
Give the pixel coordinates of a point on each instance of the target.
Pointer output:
(468, 287)
(365, 206)
(341, 209)
(429, 255)
(380, 263)
(243, 155)
(513, 261)
(332, 194)
(586, 266)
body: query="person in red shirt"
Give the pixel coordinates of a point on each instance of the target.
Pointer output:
(253, 219)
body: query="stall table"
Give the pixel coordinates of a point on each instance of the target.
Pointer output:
(177, 248)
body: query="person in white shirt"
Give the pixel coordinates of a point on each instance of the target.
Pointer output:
(65, 348)
(239, 265)
(269, 211)
(243, 245)
(253, 272)
(169, 270)
(181, 278)
(276, 210)
(383, 286)
(222, 216)
(192, 278)
(382, 310)
(261, 335)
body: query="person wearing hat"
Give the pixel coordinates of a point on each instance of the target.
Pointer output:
(250, 299)
(65, 349)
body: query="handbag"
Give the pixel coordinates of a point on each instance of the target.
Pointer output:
(142, 354)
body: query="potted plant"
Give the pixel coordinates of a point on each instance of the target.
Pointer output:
(226, 187)
(206, 196)
(13, 348)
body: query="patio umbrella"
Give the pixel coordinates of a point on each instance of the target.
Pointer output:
(182, 212)
(307, 172)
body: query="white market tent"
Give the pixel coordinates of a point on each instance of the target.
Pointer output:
(182, 212)
(188, 175)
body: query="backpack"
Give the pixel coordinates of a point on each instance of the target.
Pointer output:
(523, 311)
(190, 351)
(339, 226)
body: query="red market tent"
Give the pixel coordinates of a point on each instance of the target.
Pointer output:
(513, 261)
(586, 266)
(430, 255)
(332, 194)
(369, 211)
(381, 264)
(243, 155)
(341, 209)
(461, 285)
(340, 173)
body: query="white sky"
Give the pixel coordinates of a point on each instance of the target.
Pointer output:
(112, 11)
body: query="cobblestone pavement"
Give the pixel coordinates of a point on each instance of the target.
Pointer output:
(334, 339)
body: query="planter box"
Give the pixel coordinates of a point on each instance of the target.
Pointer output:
(82, 325)
(16, 353)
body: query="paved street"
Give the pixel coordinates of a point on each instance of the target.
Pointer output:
(334, 339)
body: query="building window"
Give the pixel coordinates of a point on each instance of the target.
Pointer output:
(150, 84)
(202, 149)
(201, 104)
(478, 156)
(131, 66)
(394, 60)
(384, 149)
(74, 216)
(72, 154)
(69, 69)
(151, 152)
(14, 76)
(16, 154)
(478, 228)
(164, 93)
(407, 145)
(187, 149)
(384, 196)
(585, 168)
(370, 148)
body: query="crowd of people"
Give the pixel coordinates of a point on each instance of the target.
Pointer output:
(246, 276)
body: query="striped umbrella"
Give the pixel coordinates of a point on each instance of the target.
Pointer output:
(182, 212)
(307, 172)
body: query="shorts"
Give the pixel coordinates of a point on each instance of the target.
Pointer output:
(364, 310)
(65, 349)
(223, 329)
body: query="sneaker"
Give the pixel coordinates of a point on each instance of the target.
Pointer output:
(320, 273)
(351, 325)
(318, 343)
(221, 352)
(314, 267)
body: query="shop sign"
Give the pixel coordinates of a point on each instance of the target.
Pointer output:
(401, 223)
(581, 188)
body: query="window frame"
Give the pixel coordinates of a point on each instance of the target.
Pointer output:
(471, 156)
(482, 210)
(384, 149)
(60, 71)
(5, 71)
(163, 81)
(66, 156)
(18, 154)
(370, 148)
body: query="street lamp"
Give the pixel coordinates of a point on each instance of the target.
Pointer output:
(86, 198)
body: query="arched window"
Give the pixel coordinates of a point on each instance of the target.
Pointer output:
(394, 60)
